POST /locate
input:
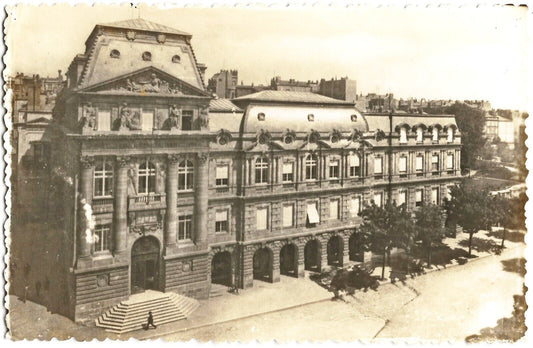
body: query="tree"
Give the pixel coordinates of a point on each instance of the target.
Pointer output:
(384, 228)
(469, 207)
(470, 122)
(508, 213)
(428, 223)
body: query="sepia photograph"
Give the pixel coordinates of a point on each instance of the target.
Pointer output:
(253, 173)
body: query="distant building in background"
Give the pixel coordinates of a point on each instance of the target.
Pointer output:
(479, 104)
(412, 104)
(342, 89)
(373, 102)
(223, 84)
(242, 89)
(277, 84)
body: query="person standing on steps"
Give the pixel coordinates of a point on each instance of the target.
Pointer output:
(150, 321)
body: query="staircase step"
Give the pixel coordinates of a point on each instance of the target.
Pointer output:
(132, 314)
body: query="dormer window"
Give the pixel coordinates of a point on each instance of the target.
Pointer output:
(419, 135)
(311, 118)
(115, 54)
(353, 118)
(176, 59)
(403, 135)
(450, 134)
(435, 134)
(147, 56)
(261, 116)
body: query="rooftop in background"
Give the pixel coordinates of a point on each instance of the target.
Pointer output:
(223, 105)
(144, 25)
(291, 97)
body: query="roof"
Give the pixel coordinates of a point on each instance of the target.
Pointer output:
(223, 105)
(144, 25)
(381, 121)
(291, 97)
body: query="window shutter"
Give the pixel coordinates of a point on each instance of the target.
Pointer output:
(378, 197)
(287, 168)
(402, 197)
(419, 163)
(334, 209)
(418, 195)
(262, 216)
(403, 164)
(221, 215)
(354, 161)
(449, 161)
(435, 195)
(378, 165)
(403, 135)
(288, 211)
(312, 213)
(222, 172)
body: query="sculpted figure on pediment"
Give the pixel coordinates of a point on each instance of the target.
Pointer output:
(174, 117)
(89, 116)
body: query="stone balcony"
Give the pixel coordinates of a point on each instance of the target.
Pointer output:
(147, 201)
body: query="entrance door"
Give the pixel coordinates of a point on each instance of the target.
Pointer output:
(144, 265)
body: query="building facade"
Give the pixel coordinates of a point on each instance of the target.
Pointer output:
(158, 186)
(223, 84)
(342, 89)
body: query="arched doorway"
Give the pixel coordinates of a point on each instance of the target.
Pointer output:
(221, 269)
(312, 256)
(263, 265)
(335, 246)
(144, 264)
(355, 245)
(288, 260)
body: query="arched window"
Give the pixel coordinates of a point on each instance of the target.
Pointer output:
(450, 135)
(403, 135)
(146, 178)
(419, 135)
(311, 167)
(435, 134)
(103, 179)
(261, 171)
(176, 59)
(185, 176)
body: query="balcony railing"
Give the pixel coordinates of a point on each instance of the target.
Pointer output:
(147, 201)
(102, 204)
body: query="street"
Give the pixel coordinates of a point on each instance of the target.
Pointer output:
(450, 304)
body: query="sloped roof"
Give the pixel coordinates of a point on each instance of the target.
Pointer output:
(381, 121)
(290, 97)
(223, 105)
(144, 25)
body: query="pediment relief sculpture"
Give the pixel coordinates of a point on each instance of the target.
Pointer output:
(89, 117)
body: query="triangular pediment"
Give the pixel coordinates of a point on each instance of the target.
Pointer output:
(146, 81)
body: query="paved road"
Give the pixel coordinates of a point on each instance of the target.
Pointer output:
(449, 304)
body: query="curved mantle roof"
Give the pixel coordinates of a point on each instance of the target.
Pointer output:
(144, 25)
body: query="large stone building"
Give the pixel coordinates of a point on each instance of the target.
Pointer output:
(157, 186)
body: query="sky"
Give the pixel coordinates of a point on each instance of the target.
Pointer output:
(435, 53)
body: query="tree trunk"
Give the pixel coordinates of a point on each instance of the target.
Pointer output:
(503, 238)
(383, 265)
(470, 243)
(429, 256)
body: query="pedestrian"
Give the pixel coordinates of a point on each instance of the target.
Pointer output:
(150, 321)
(26, 288)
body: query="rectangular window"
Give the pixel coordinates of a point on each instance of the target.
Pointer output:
(402, 165)
(288, 215)
(147, 120)
(334, 169)
(378, 165)
(355, 166)
(355, 206)
(103, 121)
(435, 195)
(288, 172)
(312, 213)
(449, 161)
(435, 163)
(378, 199)
(103, 179)
(262, 218)
(419, 164)
(184, 227)
(186, 120)
(402, 197)
(221, 221)
(102, 238)
(419, 135)
(419, 197)
(435, 134)
(450, 135)
(334, 209)
(221, 175)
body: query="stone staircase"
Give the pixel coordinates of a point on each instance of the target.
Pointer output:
(132, 314)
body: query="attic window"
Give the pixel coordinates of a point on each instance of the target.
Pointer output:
(310, 117)
(288, 139)
(147, 56)
(261, 116)
(176, 59)
(115, 54)
(353, 118)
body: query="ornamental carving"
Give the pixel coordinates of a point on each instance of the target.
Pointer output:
(313, 136)
(87, 162)
(148, 84)
(289, 136)
(123, 161)
(161, 38)
(356, 135)
(102, 280)
(203, 157)
(263, 137)
(89, 117)
(223, 137)
(380, 135)
(335, 136)
(127, 119)
(174, 115)
(130, 35)
(173, 159)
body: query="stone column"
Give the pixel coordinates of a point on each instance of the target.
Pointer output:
(171, 220)
(201, 201)
(86, 188)
(120, 211)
